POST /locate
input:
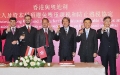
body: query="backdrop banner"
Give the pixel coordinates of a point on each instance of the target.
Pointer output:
(55, 10)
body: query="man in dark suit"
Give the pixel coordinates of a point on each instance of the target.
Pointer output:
(27, 35)
(67, 37)
(89, 43)
(11, 47)
(45, 37)
(0, 45)
(109, 48)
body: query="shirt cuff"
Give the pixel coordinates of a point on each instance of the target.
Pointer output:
(79, 34)
(6, 32)
(101, 31)
(17, 43)
(20, 40)
(57, 34)
(51, 30)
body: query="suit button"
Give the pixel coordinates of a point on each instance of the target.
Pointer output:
(109, 46)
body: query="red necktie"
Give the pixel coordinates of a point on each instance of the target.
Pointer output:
(28, 29)
(46, 36)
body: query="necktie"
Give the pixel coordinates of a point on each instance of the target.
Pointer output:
(86, 34)
(66, 31)
(108, 32)
(13, 30)
(46, 30)
(28, 29)
(46, 36)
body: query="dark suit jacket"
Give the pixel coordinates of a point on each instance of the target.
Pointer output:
(67, 42)
(0, 43)
(41, 41)
(9, 48)
(29, 39)
(88, 46)
(108, 45)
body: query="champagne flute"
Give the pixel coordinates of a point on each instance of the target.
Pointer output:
(58, 26)
(23, 34)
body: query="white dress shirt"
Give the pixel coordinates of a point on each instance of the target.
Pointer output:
(11, 28)
(28, 26)
(66, 29)
(45, 30)
(87, 32)
(106, 30)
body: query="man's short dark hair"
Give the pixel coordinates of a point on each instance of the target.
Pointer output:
(12, 18)
(87, 19)
(28, 16)
(66, 18)
(45, 19)
(107, 17)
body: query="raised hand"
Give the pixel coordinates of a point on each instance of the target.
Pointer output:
(58, 29)
(50, 27)
(8, 29)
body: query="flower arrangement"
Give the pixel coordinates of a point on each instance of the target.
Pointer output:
(28, 61)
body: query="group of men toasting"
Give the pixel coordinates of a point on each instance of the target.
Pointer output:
(17, 41)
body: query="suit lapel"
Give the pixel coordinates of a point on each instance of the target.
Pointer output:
(43, 33)
(10, 32)
(31, 29)
(89, 34)
(110, 33)
(105, 34)
(84, 34)
(45, 36)
(49, 35)
(16, 34)
(63, 32)
(16, 31)
(25, 28)
(69, 32)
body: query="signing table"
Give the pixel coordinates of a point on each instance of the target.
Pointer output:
(56, 69)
